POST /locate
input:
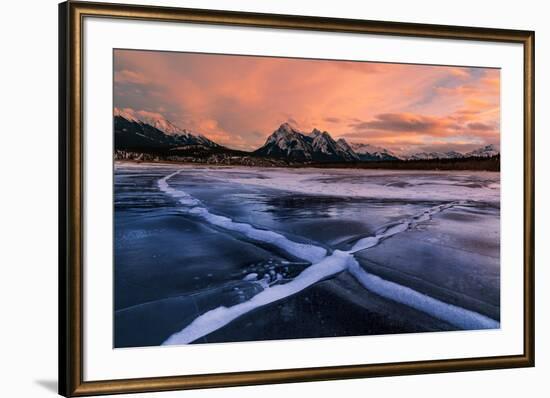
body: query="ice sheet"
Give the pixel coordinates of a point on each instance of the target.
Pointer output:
(322, 267)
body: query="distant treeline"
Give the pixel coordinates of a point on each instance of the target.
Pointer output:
(470, 163)
(221, 156)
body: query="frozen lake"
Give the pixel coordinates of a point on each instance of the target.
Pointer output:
(220, 254)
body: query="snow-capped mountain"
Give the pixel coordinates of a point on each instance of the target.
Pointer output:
(147, 132)
(343, 144)
(368, 152)
(292, 144)
(435, 155)
(287, 142)
(138, 133)
(166, 126)
(157, 122)
(324, 144)
(484, 152)
(454, 155)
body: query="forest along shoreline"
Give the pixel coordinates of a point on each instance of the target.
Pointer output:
(471, 163)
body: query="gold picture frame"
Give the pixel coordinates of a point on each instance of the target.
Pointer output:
(71, 239)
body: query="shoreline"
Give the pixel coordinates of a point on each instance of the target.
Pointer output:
(403, 185)
(293, 167)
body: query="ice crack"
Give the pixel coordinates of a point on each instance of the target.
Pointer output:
(323, 266)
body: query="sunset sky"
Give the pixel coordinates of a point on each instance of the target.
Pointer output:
(238, 101)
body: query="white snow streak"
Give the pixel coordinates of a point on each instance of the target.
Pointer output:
(221, 316)
(401, 226)
(457, 316)
(322, 267)
(304, 251)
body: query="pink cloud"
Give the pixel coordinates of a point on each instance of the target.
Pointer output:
(128, 76)
(243, 99)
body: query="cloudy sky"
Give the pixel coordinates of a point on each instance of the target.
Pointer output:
(238, 101)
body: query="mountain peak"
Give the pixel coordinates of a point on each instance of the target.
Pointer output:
(315, 132)
(286, 127)
(156, 120)
(157, 130)
(486, 151)
(318, 134)
(125, 114)
(371, 152)
(482, 152)
(292, 144)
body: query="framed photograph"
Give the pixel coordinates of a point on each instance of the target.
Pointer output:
(252, 198)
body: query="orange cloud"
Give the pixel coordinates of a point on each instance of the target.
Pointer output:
(128, 76)
(240, 100)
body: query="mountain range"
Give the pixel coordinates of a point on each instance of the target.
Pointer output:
(153, 133)
(291, 144)
(368, 152)
(483, 152)
(286, 143)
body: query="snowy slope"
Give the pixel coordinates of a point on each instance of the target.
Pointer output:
(292, 144)
(134, 131)
(371, 152)
(484, 152)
